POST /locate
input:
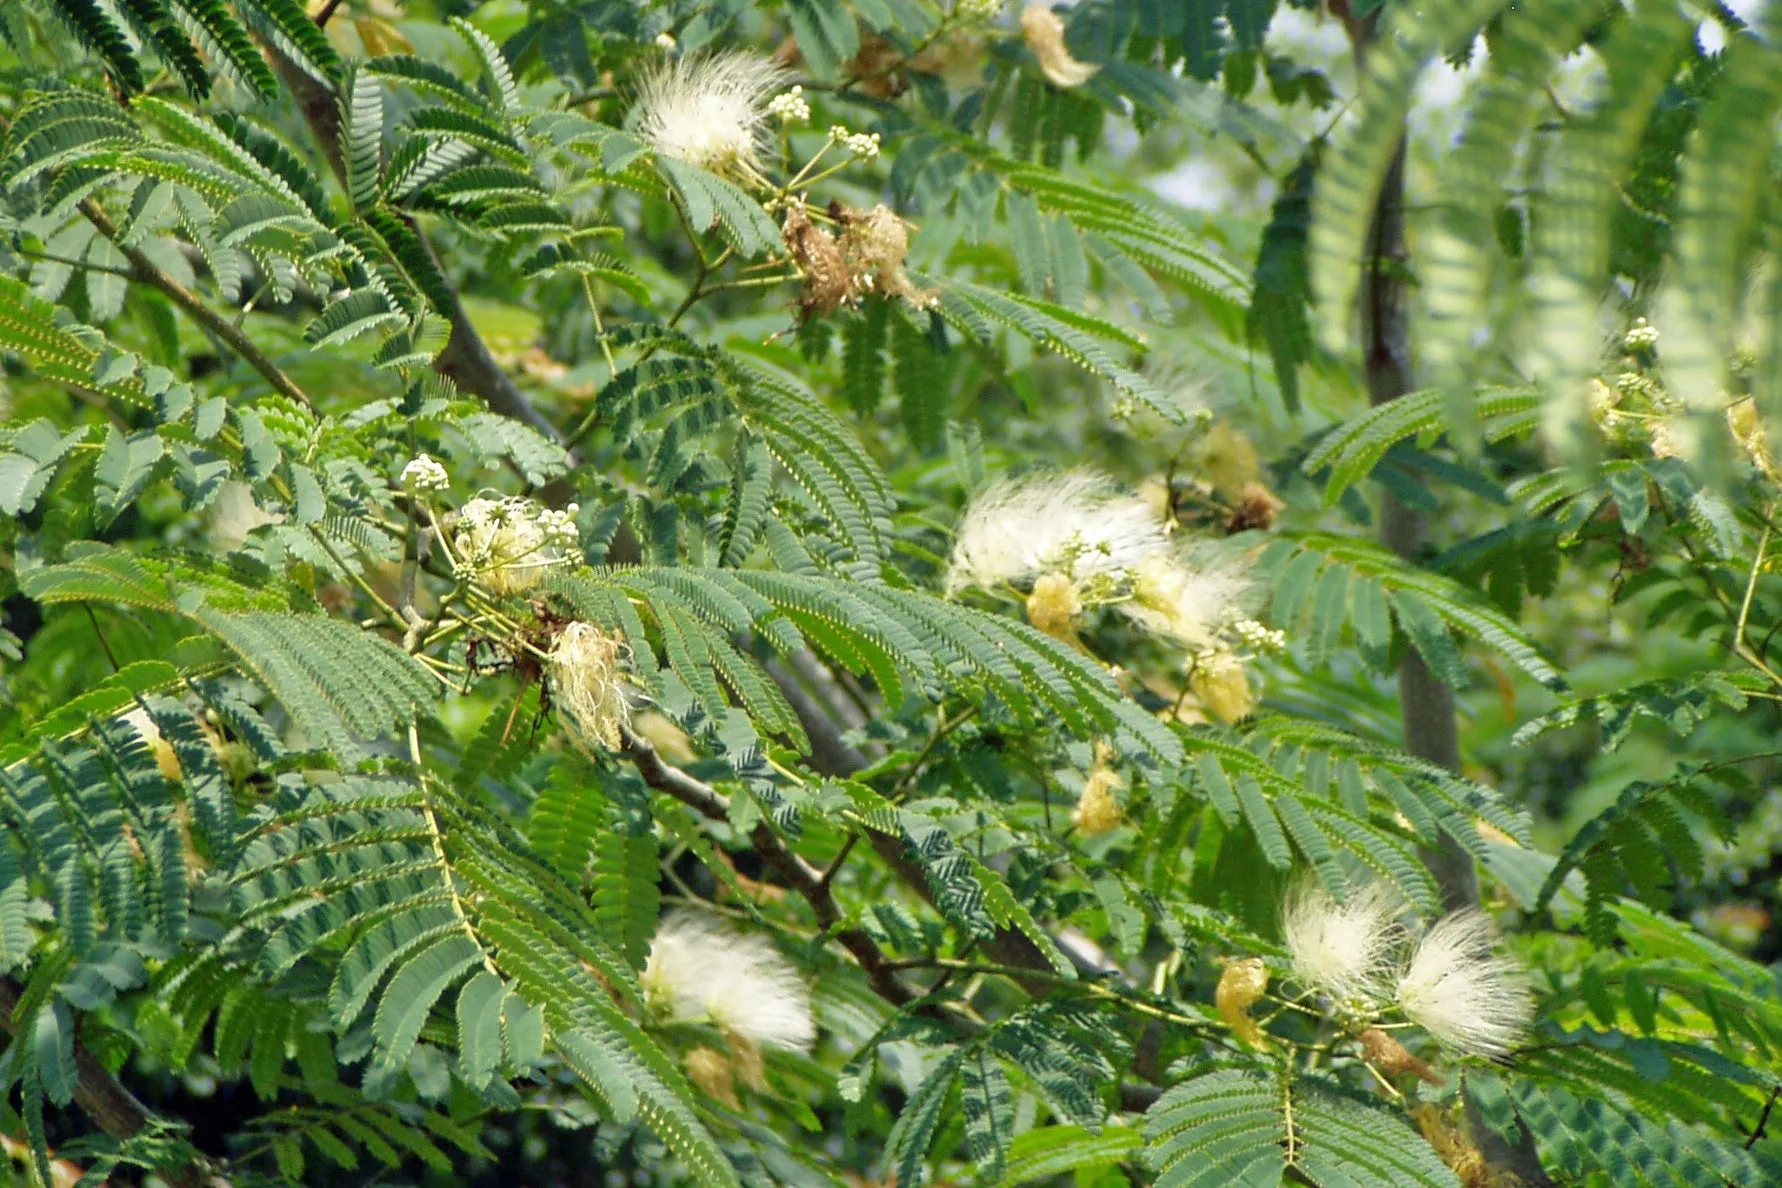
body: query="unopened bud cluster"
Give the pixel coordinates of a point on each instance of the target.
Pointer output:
(1258, 637)
(790, 107)
(861, 144)
(1641, 336)
(559, 526)
(424, 474)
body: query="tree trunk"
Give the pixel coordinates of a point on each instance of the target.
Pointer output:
(1426, 704)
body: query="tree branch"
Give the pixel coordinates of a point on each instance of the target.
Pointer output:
(832, 755)
(104, 1099)
(149, 274)
(1426, 704)
(796, 873)
(466, 359)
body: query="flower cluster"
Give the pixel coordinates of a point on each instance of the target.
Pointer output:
(558, 525)
(1240, 986)
(507, 544)
(1259, 638)
(1216, 676)
(790, 107)
(708, 111)
(1456, 986)
(867, 258)
(1076, 542)
(424, 474)
(1072, 524)
(1463, 992)
(1098, 811)
(587, 680)
(1641, 336)
(978, 10)
(1342, 950)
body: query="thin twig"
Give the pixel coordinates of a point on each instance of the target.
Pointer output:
(148, 273)
(103, 646)
(1763, 1119)
(797, 873)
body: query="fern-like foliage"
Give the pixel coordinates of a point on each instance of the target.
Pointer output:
(1237, 1124)
(1326, 583)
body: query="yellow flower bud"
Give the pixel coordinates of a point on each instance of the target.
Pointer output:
(1044, 34)
(1097, 810)
(1219, 681)
(1054, 605)
(1240, 986)
(1228, 461)
(712, 1075)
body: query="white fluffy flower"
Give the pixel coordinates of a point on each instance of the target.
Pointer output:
(701, 970)
(503, 543)
(666, 43)
(1344, 950)
(790, 107)
(424, 474)
(1072, 523)
(1463, 992)
(1191, 603)
(588, 682)
(708, 111)
(234, 514)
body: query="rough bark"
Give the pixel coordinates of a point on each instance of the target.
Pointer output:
(1426, 704)
(103, 1098)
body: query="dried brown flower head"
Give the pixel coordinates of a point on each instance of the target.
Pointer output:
(1393, 1058)
(866, 259)
(827, 283)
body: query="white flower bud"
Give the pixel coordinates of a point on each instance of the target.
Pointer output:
(1642, 336)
